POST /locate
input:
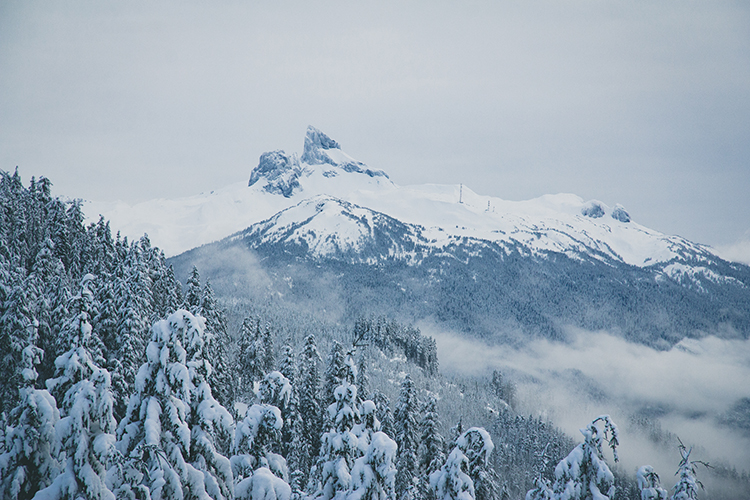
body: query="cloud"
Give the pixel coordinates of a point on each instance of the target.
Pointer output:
(738, 251)
(687, 387)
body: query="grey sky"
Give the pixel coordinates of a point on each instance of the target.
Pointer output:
(641, 103)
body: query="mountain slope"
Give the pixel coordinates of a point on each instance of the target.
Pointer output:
(501, 289)
(496, 268)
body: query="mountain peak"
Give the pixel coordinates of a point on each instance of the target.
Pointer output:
(322, 150)
(315, 140)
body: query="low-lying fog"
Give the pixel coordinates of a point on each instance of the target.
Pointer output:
(687, 390)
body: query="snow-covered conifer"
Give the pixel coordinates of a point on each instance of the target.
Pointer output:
(542, 490)
(649, 484)
(86, 431)
(407, 438)
(368, 425)
(18, 329)
(334, 371)
(132, 299)
(287, 364)
(255, 445)
(384, 413)
(275, 390)
(431, 455)
(309, 405)
(452, 482)
(339, 446)
(211, 426)
(217, 347)
(263, 485)
(584, 472)
(363, 380)
(374, 474)
(193, 294)
(465, 467)
(265, 349)
(155, 431)
(251, 354)
(477, 445)
(28, 462)
(687, 485)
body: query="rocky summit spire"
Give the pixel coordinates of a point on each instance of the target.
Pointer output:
(322, 150)
(315, 143)
(282, 172)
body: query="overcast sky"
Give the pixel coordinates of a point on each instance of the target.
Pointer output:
(646, 104)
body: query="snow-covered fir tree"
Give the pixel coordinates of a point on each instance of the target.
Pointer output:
(374, 474)
(334, 372)
(339, 445)
(452, 482)
(18, 329)
(407, 439)
(28, 461)
(584, 473)
(86, 431)
(384, 413)
(477, 445)
(155, 430)
(309, 406)
(649, 484)
(686, 487)
(193, 292)
(211, 426)
(260, 473)
(464, 466)
(431, 455)
(217, 347)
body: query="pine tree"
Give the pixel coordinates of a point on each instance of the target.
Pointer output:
(18, 329)
(431, 455)
(86, 431)
(477, 445)
(334, 372)
(363, 380)
(211, 425)
(309, 404)
(373, 475)
(468, 458)
(155, 431)
(584, 474)
(407, 438)
(261, 473)
(28, 462)
(251, 356)
(649, 484)
(339, 446)
(218, 343)
(384, 413)
(193, 294)
(265, 349)
(687, 485)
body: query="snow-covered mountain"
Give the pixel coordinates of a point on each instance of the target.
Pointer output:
(479, 263)
(562, 223)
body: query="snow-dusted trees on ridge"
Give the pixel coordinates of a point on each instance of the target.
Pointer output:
(584, 473)
(86, 429)
(465, 467)
(155, 430)
(27, 459)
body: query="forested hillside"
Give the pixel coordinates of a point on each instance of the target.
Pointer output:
(119, 382)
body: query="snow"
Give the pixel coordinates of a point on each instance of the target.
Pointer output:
(549, 223)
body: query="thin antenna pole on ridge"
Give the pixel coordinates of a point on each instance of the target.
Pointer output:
(461, 193)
